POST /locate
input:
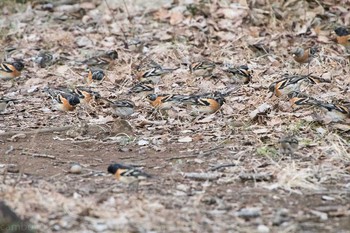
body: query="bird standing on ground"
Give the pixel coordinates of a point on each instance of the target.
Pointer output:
(241, 74)
(302, 56)
(11, 70)
(343, 36)
(63, 101)
(127, 174)
(288, 145)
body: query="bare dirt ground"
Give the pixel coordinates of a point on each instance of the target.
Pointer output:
(216, 173)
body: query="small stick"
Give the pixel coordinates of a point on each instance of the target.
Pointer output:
(256, 177)
(182, 157)
(40, 155)
(44, 130)
(217, 167)
(202, 176)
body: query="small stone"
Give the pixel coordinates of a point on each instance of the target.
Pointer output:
(328, 198)
(13, 168)
(142, 142)
(263, 229)
(250, 212)
(75, 169)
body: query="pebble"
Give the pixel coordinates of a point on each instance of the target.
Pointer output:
(75, 169)
(263, 229)
(250, 212)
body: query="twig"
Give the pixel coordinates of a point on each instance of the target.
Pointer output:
(208, 152)
(44, 130)
(39, 155)
(202, 176)
(9, 150)
(181, 157)
(256, 176)
(217, 167)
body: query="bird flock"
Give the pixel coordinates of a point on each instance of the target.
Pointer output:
(149, 74)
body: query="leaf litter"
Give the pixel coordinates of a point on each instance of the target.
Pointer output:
(175, 145)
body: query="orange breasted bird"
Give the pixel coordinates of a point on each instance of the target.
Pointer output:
(343, 36)
(95, 75)
(301, 55)
(207, 103)
(11, 70)
(298, 99)
(292, 83)
(63, 101)
(85, 94)
(127, 174)
(163, 101)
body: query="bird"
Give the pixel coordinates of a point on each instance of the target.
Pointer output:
(153, 74)
(95, 75)
(11, 70)
(85, 94)
(241, 74)
(202, 68)
(4, 102)
(127, 174)
(207, 103)
(299, 99)
(122, 108)
(63, 101)
(343, 36)
(302, 55)
(163, 101)
(142, 88)
(103, 59)
(290, 83)
(44, 59)
(288, 145)
(332, 112)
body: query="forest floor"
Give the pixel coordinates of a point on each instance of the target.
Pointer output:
(222, 172)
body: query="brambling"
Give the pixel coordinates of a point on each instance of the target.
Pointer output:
(333, 112)
(207, 103)
(127, 174)
(298, 99)
(163, 101)
(142, 88)
(63, 101)
(44, 59)
(202, 68)
(153, 74)
(85, 94)
(241, 74)
(343, 36)
(4, 102)
(122, 108)
(288, 145)
(11, 70)
(292, 83)
(95, 75)
(102, 60)
(301, 55)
